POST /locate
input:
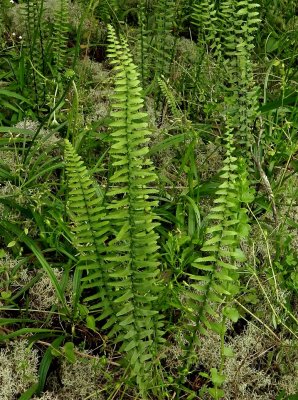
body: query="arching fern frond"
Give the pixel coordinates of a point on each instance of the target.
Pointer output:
(132, 252)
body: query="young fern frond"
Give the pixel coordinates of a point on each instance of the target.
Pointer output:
(90, 230)
(216, 278)
(132, 252)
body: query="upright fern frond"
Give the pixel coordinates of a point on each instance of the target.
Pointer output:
(215, 280)
(164, 15)
(107, 9)
(204, 16)
(132, 252)
(248, 92)
(169, 96)
(240, 21)
(33, 13)
(60, 34)
(143, 42)
(90, 231)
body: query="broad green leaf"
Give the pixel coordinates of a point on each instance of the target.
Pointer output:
(68, 350)
(232, 313)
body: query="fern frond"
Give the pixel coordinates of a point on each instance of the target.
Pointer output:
(164, 49)
(90, 231)
(216, 278)
(240, 21)
(169, 96)
(204, 16)
(143, 58)
(33, 11)
(60, 32)
(132, 253)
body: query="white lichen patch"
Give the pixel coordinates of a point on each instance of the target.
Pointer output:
(47, 396)
(81, 379)
(18, 369)
(43, 294)
(244, 377)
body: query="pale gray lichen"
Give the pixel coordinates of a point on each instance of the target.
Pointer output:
(18, 369)
(81, 379)
(48, 396)
(43, 294)
(244, 378)
(95, 90)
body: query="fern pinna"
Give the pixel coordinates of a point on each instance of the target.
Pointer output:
(214, 280)
(132, 253)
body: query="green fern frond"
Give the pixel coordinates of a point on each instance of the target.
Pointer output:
(240, 21)
(169, 96)
(132, 252)
(164, 49)
(90, 231)
(204, 16)
(216, 278)
(143, 58)
(32, 12)
(60, 32)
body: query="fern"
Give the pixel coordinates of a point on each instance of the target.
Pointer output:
(215, 279)
(108, 9)
(164, 49)
(90, 231)
(169, 96)
(240, 20)
(248, 92)
(204, 16)
(117, 244)
(143, 42)
(4, 8)
(60, 32)
(132, 253)
(33, 13)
